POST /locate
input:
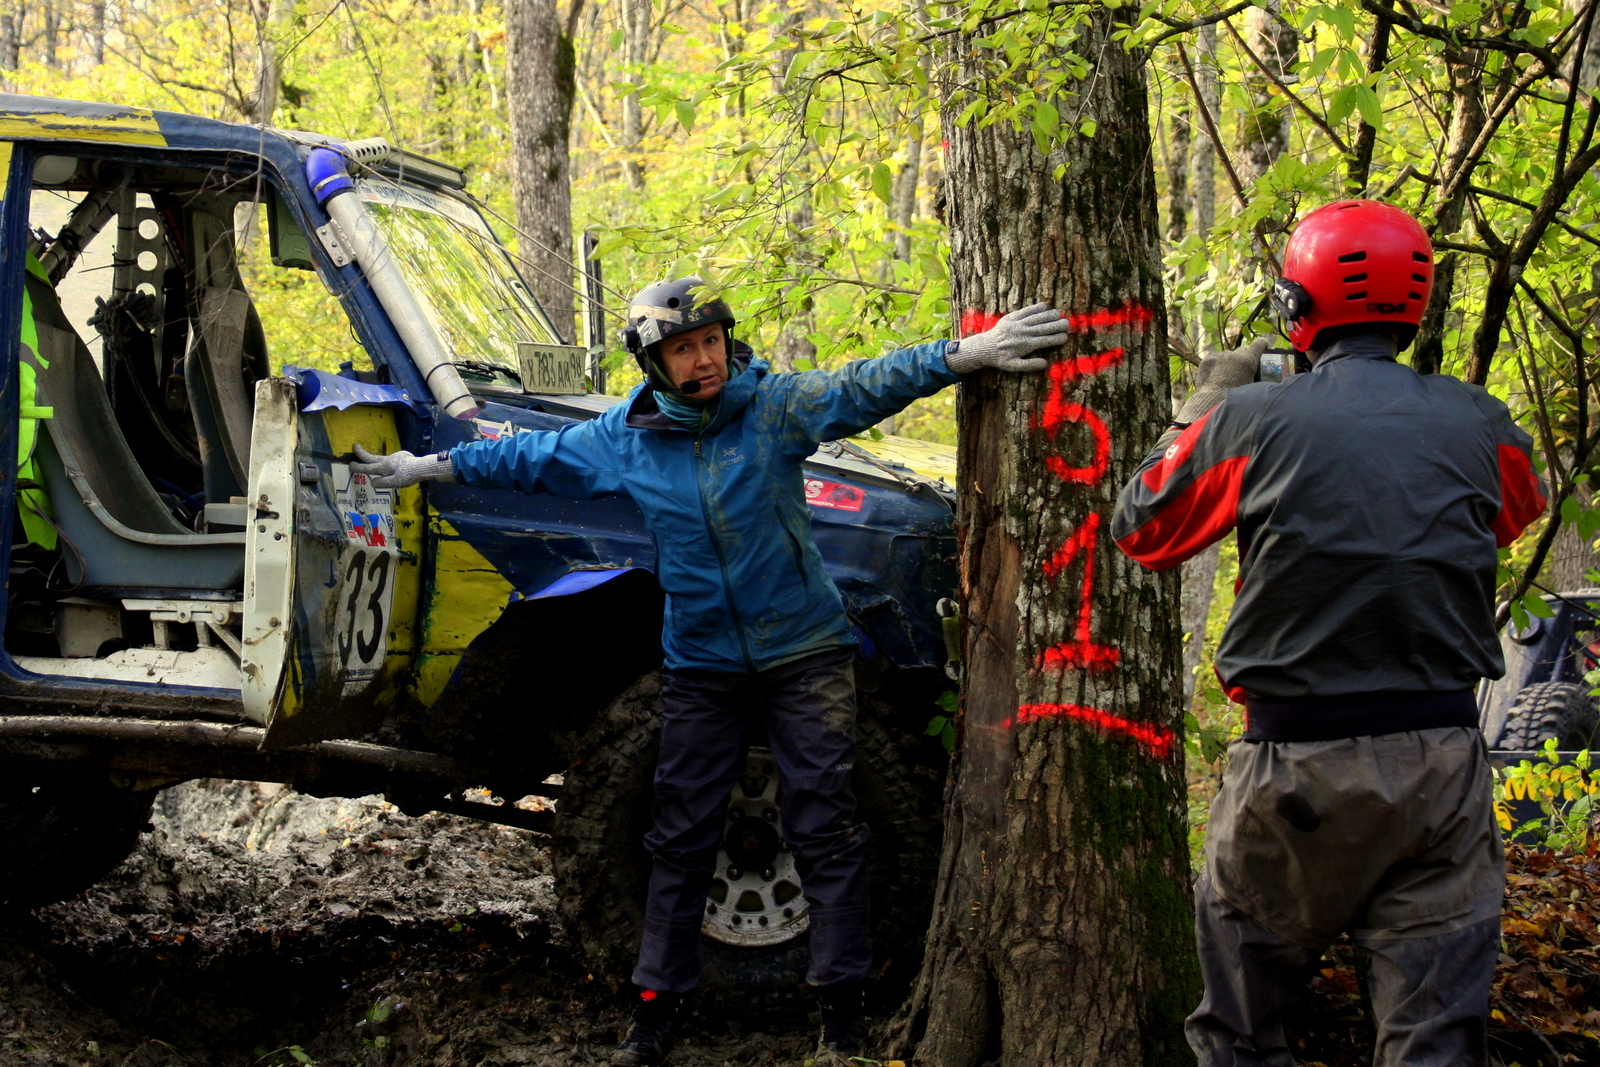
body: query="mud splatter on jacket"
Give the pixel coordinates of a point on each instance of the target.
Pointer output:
(1369, 501)
(745, 584)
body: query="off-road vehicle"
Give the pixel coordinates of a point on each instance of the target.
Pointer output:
(198, 322)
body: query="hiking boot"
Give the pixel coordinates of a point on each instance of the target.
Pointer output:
(844, 1022)
(651, 1036)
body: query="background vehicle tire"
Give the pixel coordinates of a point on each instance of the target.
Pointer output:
(1562, 710)
(63, 833)
(602, 869)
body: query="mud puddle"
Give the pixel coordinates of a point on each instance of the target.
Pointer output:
(257, 926)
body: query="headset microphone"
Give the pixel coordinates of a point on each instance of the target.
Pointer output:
(690, 387)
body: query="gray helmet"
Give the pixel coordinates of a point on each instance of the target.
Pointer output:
(666, 309)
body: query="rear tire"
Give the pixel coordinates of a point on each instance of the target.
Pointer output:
(602, 869)
(63, 832)
(1562, 710)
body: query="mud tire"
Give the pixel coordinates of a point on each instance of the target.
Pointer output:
(63, 833)
(1562, 710)
(602, 869)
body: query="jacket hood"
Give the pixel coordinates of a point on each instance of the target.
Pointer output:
(644, 413)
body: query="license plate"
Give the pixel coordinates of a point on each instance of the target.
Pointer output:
(561, 369)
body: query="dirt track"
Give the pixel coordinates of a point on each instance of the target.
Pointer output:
(255, 926)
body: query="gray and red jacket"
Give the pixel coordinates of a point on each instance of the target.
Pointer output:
(1370, 501)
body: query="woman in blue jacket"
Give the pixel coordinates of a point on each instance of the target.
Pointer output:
(710, 447)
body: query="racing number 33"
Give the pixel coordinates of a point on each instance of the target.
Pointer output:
(365, 629)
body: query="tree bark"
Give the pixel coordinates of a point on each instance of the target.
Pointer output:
(1359, 166)
(1466, 122)
(11, 37)
(1062, 929)
(276, 21)
(539, 94)
(1264, 129)
(1202, 150)
(1178, 121)
(636, 51)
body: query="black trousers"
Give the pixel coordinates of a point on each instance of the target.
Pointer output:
(809, 707)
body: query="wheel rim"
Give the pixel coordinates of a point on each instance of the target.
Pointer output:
(755, 896)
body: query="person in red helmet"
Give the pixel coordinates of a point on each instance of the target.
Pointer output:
(1370, 502)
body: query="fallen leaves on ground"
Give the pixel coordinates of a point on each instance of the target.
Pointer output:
(1547, 985)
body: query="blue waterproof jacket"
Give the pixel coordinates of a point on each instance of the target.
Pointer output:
(746, 589)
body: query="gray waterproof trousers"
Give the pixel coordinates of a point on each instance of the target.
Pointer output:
(1390, 838)
(809, 706)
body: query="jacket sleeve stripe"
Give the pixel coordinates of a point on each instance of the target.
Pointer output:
(1177, 454)
(1190, 521)
(1521, 496)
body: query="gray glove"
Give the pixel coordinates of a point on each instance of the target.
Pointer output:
(1218, 373)
(1019, 334)
(400, 469)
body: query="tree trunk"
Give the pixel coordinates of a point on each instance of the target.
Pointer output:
(1359, 165)
(1062, 930)
(635, 50)
(1466, 122)
(539, 93)
(11, 38)
(277, 22)
(1264, 129)
(1202, 150)
(97, 32)
(1178, 121)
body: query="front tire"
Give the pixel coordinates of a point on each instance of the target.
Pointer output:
(63, 833)
(602, 869)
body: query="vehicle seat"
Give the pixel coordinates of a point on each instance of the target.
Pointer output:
(225, 358)
(102, 501)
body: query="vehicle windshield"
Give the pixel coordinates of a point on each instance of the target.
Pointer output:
(460, 275)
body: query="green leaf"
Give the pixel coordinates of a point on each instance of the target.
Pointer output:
(797, 67)
(947, 737)
(936, 725)
(1371, 107)
(1087, 127)
(685, 113)
(1535, 605)
(1343, 102)
(1569, 510)
(948, 700)
(880, 182)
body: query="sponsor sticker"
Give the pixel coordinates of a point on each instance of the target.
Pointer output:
(835, 495)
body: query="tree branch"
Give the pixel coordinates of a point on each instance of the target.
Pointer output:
(1316, 120)
(1449, 37)
(1195, 24)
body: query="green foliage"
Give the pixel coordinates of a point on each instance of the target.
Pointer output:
(1565, 793)
(943, 726)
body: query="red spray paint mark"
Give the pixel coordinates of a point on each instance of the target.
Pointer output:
(1059, 411)
(1130, 314)
(1081, 652)
(977, 322)
(1157, 740)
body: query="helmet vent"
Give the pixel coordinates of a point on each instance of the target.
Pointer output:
(1357, 296)
(1420, 278)
(1416, 296)
(1352, 257)
(1419, 257)
(1355, 277)
(672, 301)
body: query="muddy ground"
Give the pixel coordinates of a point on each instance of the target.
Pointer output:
(257, 926)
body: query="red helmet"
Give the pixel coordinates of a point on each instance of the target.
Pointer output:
(1354, 261)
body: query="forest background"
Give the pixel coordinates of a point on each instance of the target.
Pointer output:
(791, 151)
